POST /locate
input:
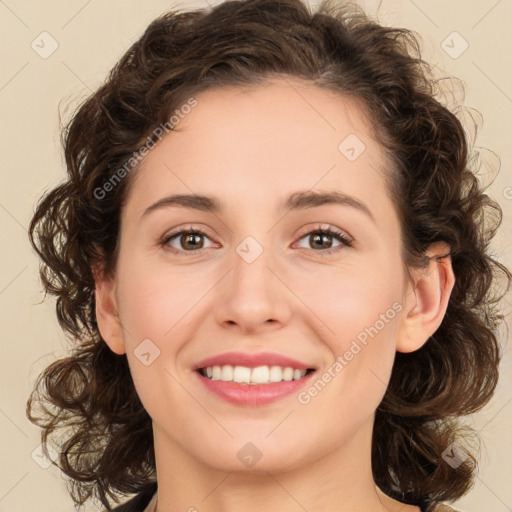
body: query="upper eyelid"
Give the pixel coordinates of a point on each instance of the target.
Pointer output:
(306, 231)
(328, 228)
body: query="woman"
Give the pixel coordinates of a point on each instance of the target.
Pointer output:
(271, 256)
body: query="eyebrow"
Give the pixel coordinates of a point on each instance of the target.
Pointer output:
(300, 200)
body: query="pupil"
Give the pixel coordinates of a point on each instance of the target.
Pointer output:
(322, 237)
(188, 238)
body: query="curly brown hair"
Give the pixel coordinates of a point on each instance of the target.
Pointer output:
(106, 442)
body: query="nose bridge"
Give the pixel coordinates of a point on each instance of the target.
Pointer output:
(252, 294)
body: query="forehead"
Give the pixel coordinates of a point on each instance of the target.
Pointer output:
(282, 110)
(250, 143)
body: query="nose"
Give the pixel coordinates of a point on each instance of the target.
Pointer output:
(253, 296)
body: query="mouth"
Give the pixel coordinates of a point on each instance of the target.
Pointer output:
(259, 375)
(253, 386)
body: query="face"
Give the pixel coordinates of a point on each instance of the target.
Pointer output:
(258, 276)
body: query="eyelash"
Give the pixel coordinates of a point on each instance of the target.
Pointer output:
(339, 235)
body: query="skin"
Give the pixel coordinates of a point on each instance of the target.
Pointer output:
(251, 149)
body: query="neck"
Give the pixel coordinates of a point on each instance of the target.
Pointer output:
(338, 481)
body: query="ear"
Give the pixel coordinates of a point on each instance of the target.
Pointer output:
(107, 315)
(426, 299)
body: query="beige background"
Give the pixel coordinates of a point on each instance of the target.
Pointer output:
(91, 37)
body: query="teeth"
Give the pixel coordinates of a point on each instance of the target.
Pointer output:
(227, 373)
(240, 374)
(258, 375)
(288, 374)
(216, 373)
(276, 374)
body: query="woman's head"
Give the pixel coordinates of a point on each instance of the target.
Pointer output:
(265, 100)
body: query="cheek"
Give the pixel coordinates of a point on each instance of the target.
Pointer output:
(353, 302)
(360, 315)
(155, 300)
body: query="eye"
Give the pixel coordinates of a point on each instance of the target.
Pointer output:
(189, 241)
(322, 238)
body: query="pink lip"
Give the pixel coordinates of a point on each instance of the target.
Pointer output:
(251, 361)
(253, 394)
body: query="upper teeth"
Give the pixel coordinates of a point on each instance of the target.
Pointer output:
(258, 375)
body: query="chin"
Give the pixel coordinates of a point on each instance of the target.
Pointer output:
(256, 456)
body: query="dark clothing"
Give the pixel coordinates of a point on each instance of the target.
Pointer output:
(140, 501)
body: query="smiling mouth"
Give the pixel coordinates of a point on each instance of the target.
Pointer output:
(253, 376)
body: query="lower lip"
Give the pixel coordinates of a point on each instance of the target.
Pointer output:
(254, 394)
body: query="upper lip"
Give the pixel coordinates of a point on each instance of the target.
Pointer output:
(252, 360)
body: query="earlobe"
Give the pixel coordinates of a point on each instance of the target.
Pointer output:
(107, 315)
(427, 299)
